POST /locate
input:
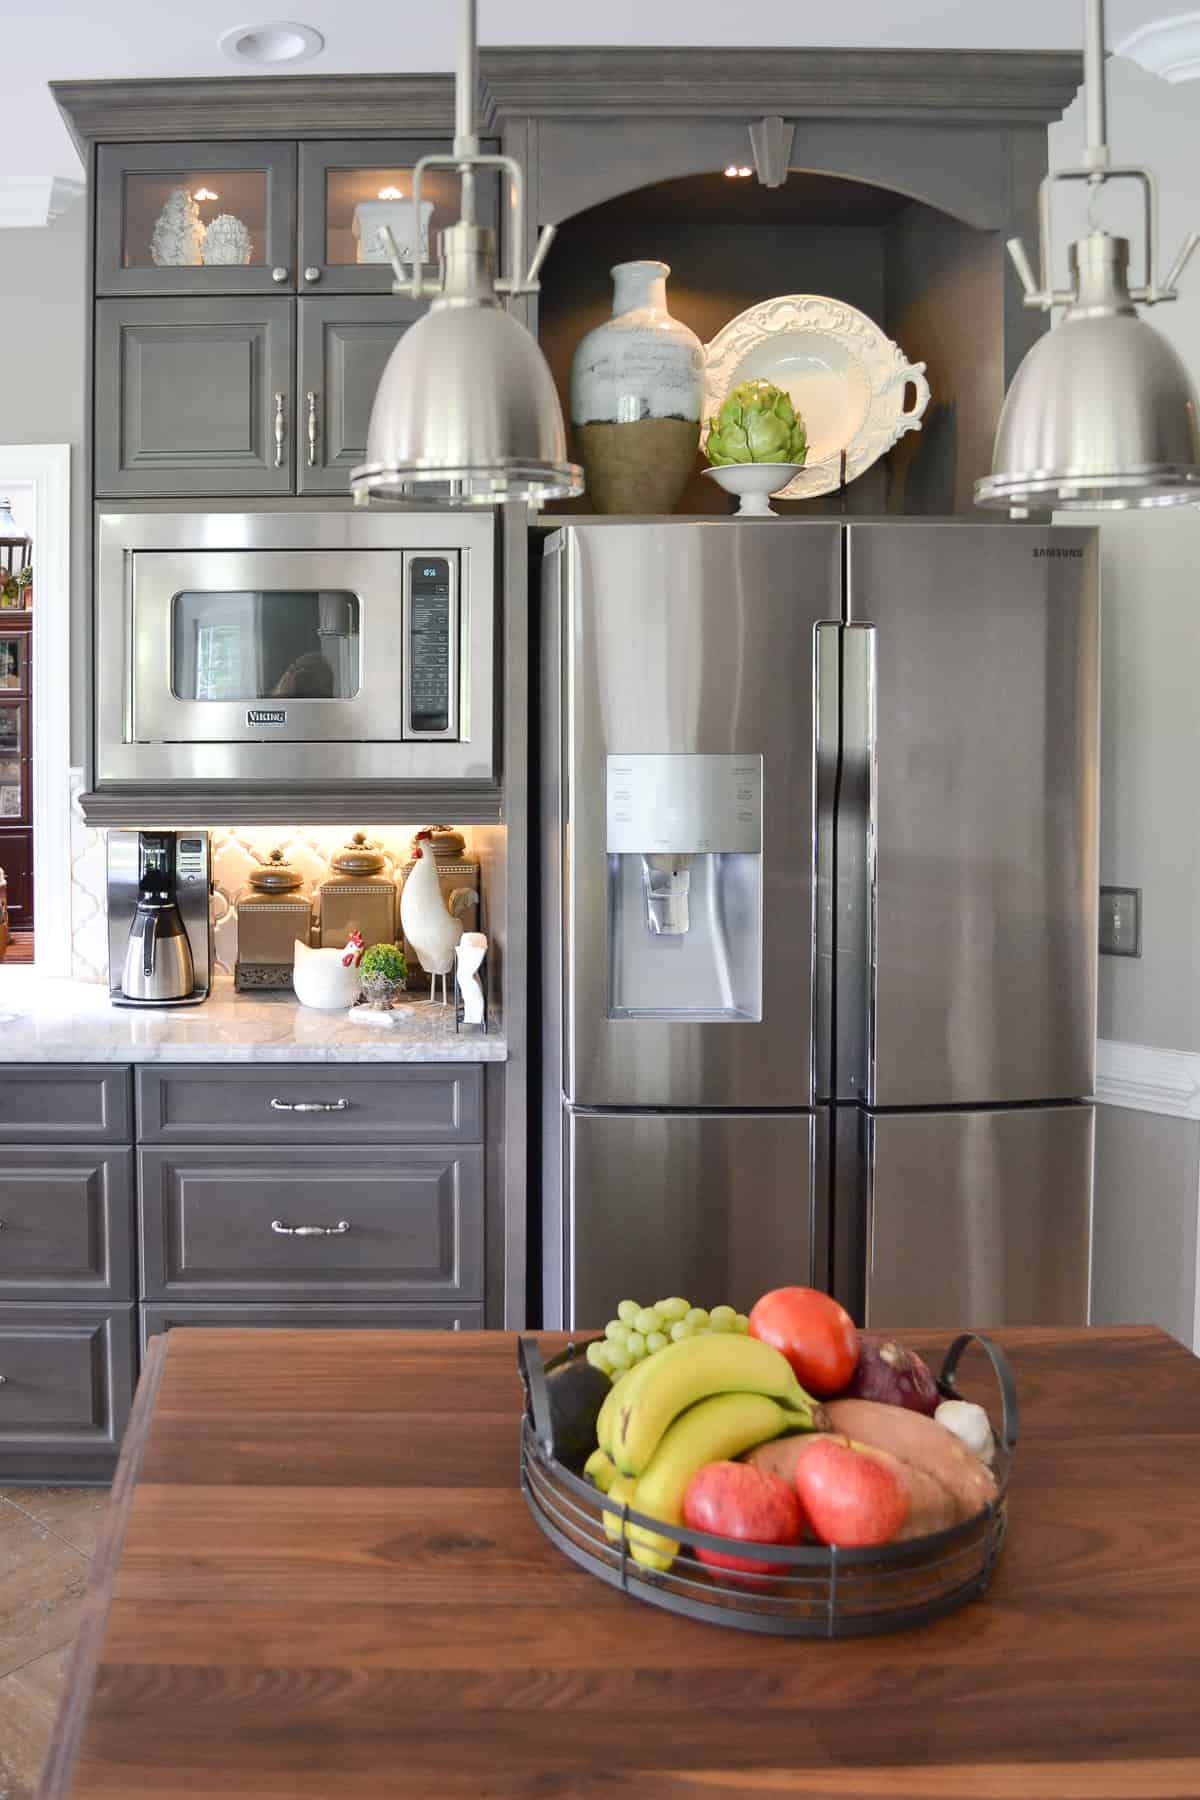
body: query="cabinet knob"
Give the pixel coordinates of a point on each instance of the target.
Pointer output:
(279, 274)
(312, 273)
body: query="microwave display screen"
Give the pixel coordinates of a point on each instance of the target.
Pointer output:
(430, 640)
(257, 644)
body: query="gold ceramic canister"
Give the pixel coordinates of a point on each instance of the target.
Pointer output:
(272, 912)
(357, 895)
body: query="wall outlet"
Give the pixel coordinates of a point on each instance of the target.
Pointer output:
(1120, 921)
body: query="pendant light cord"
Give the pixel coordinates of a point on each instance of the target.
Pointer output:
(1095, 93)
(466, 143)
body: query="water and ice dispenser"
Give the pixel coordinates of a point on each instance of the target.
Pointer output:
(684, 843)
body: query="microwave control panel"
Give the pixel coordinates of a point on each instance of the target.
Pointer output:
(431, 646)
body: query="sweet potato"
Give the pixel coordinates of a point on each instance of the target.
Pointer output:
(921, 1443)
(931, 1507)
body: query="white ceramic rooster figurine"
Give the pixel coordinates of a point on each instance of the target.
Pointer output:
(427, 922)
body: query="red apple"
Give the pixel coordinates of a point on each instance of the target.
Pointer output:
(849, 1498)
(737, 1501)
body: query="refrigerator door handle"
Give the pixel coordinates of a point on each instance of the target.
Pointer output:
(855, 851)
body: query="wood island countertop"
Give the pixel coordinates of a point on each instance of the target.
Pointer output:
(319, 1578)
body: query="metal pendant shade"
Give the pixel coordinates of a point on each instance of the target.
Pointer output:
(1102, 413)
(466, 412)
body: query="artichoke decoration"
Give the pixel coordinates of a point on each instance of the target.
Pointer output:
(757, 423)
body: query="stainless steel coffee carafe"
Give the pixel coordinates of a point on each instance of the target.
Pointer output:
(158, 956)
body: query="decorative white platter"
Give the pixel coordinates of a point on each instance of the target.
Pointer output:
(846, 379)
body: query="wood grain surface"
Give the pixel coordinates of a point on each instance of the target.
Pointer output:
(320, 1579)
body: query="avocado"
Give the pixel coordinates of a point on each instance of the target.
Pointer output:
(577, 1392)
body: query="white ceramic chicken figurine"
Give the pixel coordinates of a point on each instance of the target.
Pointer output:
(427, 922)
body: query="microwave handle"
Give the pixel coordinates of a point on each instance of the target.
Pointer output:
(280, 430)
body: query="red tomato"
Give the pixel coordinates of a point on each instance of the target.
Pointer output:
(815, 1334)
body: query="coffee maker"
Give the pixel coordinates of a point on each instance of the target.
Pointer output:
(159, 934)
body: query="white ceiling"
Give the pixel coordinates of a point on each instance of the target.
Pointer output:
(56, 40)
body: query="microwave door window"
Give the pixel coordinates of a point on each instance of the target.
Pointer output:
(267, 644)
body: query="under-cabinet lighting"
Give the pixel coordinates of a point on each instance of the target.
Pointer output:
(203, 193)
(738, 171)
(389, 193)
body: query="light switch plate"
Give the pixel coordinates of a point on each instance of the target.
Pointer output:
(1120, 921)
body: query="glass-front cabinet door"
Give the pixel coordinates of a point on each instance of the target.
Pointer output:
(349, 189)
(196, 218)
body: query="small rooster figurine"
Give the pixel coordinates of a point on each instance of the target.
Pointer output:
(352, 954)
(427, 922)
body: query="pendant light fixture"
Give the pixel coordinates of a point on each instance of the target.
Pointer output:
(1102, 412)
(466, 412)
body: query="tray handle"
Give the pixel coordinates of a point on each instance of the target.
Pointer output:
(1010, 1412)
(537, 1398)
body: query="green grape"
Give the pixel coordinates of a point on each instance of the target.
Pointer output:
(597, 1355)
(697, 1316)
(648, 1320)
(655, 1340)
(615, 1331)
(722, 1318)
(628, 1311)
(618, 1355)
(742, 1322)
(671, 1309)
(635, 1343)
(682, 1328)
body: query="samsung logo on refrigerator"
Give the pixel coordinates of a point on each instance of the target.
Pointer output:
(1058, 550)
(266, 715)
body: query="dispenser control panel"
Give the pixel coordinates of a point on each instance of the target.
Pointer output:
(431, 640)
(688, 804)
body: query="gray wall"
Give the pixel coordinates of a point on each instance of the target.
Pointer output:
(1147, 1175)
(1144, 1255)
(43, 317)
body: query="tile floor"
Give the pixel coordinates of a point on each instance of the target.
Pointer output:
(47, 1537)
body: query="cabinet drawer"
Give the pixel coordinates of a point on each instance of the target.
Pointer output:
(63, 1103)
(66, 1389)
(345, 1317)
(396, 1224)
(66, 1223)
(433, 1104)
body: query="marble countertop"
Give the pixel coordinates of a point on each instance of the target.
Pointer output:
(44, 1020)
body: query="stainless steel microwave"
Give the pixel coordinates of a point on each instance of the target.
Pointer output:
(295, 647)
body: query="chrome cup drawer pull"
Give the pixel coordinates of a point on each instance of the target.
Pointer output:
(278, 1105)
(286, 1230)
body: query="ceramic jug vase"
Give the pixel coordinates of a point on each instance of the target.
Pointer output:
(637, 390)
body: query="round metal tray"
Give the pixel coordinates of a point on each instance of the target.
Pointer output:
(826, 1592)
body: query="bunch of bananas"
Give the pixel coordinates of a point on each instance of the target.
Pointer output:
(698, 1401)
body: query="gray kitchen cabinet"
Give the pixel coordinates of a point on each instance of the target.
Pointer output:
(344, 345)
(308, 1222)
(66, 1386)
(194, 396)
(346, 1316)
(66, 1223)
(65, 1103)
(348, 187)
(437, 1103)
(156, 202)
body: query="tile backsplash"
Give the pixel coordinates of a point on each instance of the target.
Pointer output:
(236, 851)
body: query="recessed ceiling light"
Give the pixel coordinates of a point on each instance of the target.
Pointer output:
(277, 41)
(1168, 47)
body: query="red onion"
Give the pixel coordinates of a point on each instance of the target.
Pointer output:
(889, 1373)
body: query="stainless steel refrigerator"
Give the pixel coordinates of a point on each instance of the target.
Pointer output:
(819, 889)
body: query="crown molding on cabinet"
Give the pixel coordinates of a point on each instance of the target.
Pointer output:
(33, 200)
(1148, 1079)
(931, 86)
(407, 803)
(942, 86)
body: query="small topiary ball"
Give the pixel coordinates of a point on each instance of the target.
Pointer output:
(386, 961)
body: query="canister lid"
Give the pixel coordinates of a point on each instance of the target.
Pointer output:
(359, 857)
(275, 876)
(447, 844)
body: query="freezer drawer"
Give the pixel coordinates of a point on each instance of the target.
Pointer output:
(715, 1206)
(975, 759)
(978, 1219)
